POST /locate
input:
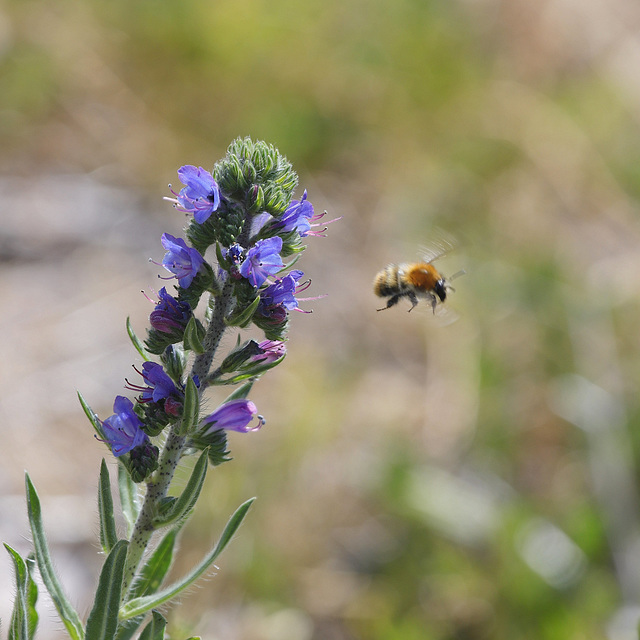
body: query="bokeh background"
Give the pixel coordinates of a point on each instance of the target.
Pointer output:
(417, 478)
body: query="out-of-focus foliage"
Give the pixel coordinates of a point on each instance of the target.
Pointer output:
(416, 479)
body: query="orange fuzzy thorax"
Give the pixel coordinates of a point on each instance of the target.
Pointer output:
(422, 276)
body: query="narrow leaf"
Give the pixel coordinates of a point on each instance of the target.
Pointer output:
(135, 341)
(251, 373)
(188, 498)
(128, 498)
(32, 596)
(155, 629)
(103, 619)
(67, 613)
(240, 393)
(242, 318)
(93, 418)
(191, 408)
(191, 338)
(24, 617)
(128, 628)
(138, 606)
(108, 536)
(222, 261)
(157, 566)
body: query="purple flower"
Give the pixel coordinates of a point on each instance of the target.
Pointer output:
(298, 216)
(262, 261)
(233, 254)
(170, 315)
(281, 293)
(260, 221)
(272, 350)
(123, 429)
(235, 415)
(201, 196)
(159, 385)
(183, 261)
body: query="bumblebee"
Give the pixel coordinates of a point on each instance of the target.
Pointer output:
(414, 281)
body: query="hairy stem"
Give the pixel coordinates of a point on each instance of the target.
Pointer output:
(156, 490)
(216, 328)
(158, 487)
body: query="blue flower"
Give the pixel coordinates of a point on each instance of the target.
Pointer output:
(159, 384)
(235, 415)
(170, 315)
(123, 430)
(298, 216)
(201, 196)
(234, 254)
(183, 261)
(262, 261)
(281, 293)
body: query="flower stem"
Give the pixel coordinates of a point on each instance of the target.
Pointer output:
(158, 487)
(216, 328)
(156, 490)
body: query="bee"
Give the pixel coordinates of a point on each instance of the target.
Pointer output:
(415, 280)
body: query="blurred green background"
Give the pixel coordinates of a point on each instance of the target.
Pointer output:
(417, 479)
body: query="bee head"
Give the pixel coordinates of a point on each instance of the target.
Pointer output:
(441, 289)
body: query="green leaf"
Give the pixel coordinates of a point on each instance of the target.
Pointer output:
(222, 261)
(252, 372)
(157, 566)
(149, 579)
(24, 617)
(32, 595)
(240, 393)
(155, 629)
(103, 619)
(243, 318)
(108, 535)
(67, 613)
(128, 498)
(137, 344)
(93, 418)
(240, 363)
(188, 498)
(192, 336)
(138, 606)
(190, 409)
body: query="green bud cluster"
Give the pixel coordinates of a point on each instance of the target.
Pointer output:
(216, 446)
(256, 175)
(154, 418)
(273, 330)
(142, 461)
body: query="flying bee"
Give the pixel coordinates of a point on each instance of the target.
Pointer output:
(415, 280)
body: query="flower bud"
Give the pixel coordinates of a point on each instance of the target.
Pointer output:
(174, 360)
(155, 416)
(143, 461)
(228, 225)
(239, 356)
(255, 199)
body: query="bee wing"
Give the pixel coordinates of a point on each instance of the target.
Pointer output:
(440, 244)
(445, 315)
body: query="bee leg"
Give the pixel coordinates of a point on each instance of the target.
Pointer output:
(393, 300)
(414, 300)
(434, 303)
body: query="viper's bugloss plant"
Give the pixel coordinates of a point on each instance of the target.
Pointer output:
(244, 234)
